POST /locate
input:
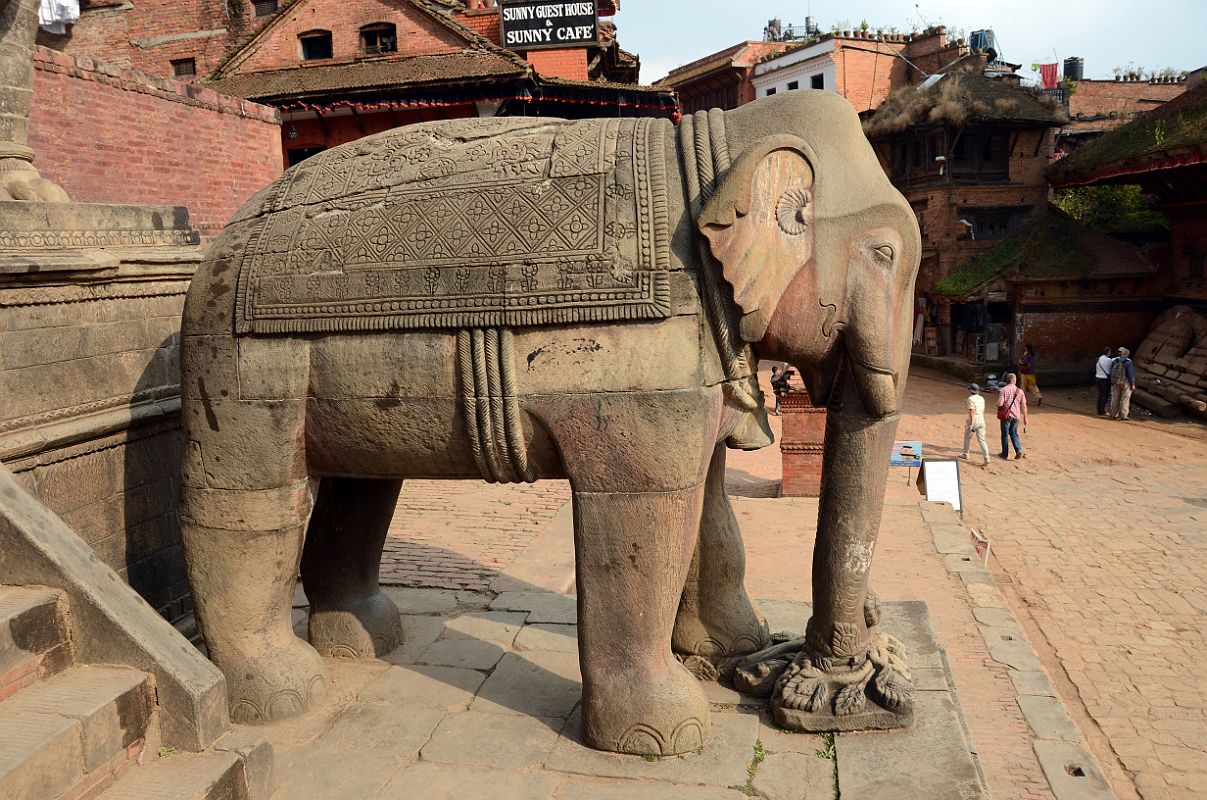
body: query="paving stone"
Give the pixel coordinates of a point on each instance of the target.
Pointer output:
(1072, 772)
(548, 636)
(909, 622)
(447, 688)
(505, 741)
(578, 788)
(500, 627)
(40, 755)
(418, 633)
(1047, 717)
(789, 616)
(537, 684)
(929, 679)
(422, 602)
(541, 606)
(722, 762)
(112, 705)
(979, 576)
(455, 782)
(949, 542)
(986, 596)
(1032, 682)
(961, 562)
(995, 617)
(348, 677)
(795, 776)
(778, 740)
(254, 750)
(1015, 653)
(929, 760)
(476, 600)
(466, 653)
(184, 776)
(323, 773)
(385, 727)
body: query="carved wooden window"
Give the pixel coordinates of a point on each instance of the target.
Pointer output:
(981, 154)
(265, 8)
(380, 37)
(316, 45)
(1194, 263)
(184, 67)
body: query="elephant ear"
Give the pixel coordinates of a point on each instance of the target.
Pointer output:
(759, 226)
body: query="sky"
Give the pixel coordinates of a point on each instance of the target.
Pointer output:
(1106, 33)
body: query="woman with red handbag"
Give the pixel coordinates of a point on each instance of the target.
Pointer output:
(1011, 407)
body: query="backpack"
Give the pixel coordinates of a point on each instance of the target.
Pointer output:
(1119, 372)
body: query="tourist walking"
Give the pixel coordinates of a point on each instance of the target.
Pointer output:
(1102, 379)
(1026, 367)
(775, 389)
(976, 422)
(1123, 383)
(1011, 408)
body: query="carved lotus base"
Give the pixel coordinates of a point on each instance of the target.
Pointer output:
(812, 692)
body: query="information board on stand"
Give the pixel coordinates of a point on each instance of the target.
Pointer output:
(939, 482)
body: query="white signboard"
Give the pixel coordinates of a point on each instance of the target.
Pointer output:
(939, 481)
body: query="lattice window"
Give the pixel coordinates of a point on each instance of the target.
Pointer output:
(265, 8)
(184, 67)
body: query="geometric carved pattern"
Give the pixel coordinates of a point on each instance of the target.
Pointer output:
(470, 223)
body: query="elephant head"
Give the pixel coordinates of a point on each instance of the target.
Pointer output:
(821, 253)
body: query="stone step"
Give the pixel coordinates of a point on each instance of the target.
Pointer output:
(34, 636)
(213, 775)
(111, 706)
(41, 755)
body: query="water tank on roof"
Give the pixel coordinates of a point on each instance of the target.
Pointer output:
(1074, 68)
(984, 41)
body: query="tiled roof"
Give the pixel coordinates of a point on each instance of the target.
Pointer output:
(1174, 131)
(743, 54)
(1050, 247)
(420, 71)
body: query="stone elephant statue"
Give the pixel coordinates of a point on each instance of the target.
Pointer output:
(519, 299)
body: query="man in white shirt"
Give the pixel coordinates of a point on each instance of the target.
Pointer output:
(976, 422)
(1102, 378)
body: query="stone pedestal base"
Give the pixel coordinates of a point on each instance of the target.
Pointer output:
(802, 442)
(90, 303)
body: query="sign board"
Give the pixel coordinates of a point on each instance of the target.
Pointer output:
(906, 454)
(536, 24)
(939, 481)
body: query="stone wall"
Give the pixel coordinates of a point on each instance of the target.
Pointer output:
(110, 135)
(90, 303)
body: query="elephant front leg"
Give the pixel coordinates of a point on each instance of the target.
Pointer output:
(243, 583)
(716, 618)
(845, 674)
(350, 617)
(633, 550)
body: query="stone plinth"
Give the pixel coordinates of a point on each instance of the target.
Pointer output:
(801, 445)
(90, 303)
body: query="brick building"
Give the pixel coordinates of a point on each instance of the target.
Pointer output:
(1097, 106)
(968, 151)
(862, 66)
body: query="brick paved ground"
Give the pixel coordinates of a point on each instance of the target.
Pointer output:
(1098, 540)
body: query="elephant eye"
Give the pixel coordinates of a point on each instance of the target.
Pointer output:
(792, 211)
(885, 251)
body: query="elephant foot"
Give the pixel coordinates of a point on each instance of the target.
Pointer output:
(717, 632)
(368, 627)
(810, 691)
(629, 711)
(273, 683)
(19, 180)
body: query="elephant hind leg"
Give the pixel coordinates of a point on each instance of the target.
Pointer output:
(349, 615)
(716, 618)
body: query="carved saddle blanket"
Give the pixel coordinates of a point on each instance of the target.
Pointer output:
(463, 224)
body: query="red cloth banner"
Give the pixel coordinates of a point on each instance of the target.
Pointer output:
(1048, 76)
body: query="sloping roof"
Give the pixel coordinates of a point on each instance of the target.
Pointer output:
(742, 54)
(473, 40)
(470, 66)
(957, 98)
(1050, 247)
(1170, 135)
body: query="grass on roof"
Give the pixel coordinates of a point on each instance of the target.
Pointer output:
(1182, 123)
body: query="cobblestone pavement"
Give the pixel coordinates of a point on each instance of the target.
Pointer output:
(1100, 539)
(1098, 542)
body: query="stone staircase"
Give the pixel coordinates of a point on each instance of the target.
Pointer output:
(73, 731)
